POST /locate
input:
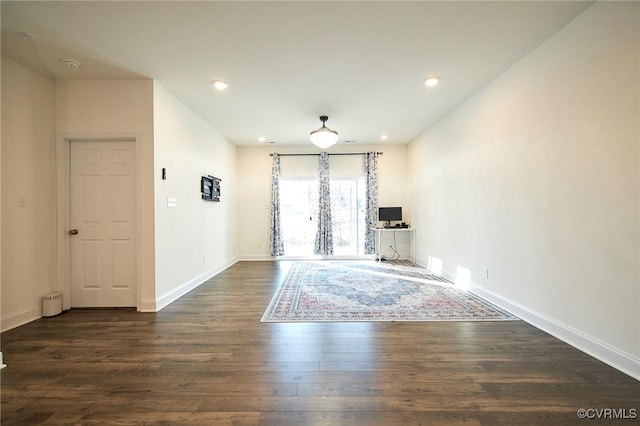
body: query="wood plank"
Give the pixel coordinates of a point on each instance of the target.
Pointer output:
(207, 359)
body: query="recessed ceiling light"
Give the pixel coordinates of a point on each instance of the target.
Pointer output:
(384, 137)
(262, 139)
(431, 81)
(220, 84)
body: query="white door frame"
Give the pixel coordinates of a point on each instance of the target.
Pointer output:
(63, 197)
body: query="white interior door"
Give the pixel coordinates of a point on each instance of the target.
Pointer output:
(103, 212)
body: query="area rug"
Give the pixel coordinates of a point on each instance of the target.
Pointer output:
(373, 291)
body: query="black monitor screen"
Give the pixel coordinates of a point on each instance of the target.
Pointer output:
(388, 214)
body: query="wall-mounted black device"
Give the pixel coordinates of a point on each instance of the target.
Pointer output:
(210, 188)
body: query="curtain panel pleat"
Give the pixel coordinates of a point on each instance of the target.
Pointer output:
(277, 244)
(324, 235)
(371, 214)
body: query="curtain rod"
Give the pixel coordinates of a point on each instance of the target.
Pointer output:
(337, 153)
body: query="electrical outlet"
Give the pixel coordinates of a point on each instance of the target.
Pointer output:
(485, 272)
(204, 259)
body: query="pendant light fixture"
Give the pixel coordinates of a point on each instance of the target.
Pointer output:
(324, 137)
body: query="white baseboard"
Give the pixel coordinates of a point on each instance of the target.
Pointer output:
(261, 258)
(331, 257)
(147, 305)
(616, 358)
(178, 292)
(22, 317)
(624, 362)
(256, 258)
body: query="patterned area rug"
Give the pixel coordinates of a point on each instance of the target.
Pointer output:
(373, 291)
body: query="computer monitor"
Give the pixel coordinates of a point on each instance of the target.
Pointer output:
(389, 214)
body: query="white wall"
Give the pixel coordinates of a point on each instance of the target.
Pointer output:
(115, 109)
(196, 239)
(254, 171)
(39, 116)
(537, 178)
(28, 143)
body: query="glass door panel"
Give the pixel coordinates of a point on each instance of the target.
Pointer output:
(299, 215)
(347, 210)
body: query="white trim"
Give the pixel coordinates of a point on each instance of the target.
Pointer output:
(147, 305)
(616, 358)
(328, 257)
(21, 317)
(256, 258)
(180, 291)
(451, 277)
(62, 240)
(262, 258)
(621, 361)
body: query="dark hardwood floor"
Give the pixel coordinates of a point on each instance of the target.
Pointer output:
(207, 359)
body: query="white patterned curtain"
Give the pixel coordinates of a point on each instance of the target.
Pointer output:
(371, 214)
(277, 245)
(324, 235)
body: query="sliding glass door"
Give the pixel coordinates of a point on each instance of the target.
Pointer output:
(347, 209)
(299, 215)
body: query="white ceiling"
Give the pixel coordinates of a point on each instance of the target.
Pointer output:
(361, 63)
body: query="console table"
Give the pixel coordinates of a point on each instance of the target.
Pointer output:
(386, 234)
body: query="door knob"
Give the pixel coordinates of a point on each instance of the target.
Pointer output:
(73, 232)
